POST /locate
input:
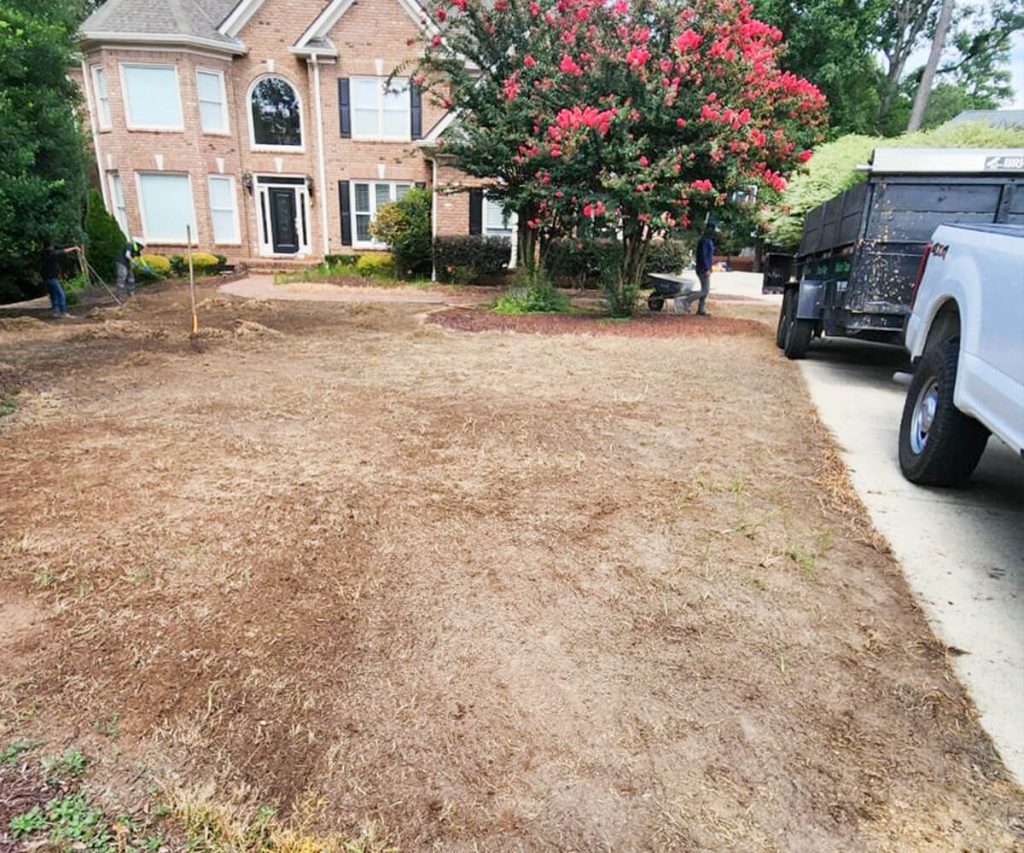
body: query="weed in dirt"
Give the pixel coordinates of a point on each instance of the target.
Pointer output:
(11, 754)
(806, 559)
(70, 765)
(28, 823)
(108, 726)
(43, 579)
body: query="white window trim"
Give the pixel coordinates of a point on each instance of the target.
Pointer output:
(120, 206)
(224, 111)
(127, 100)
(380, 137)
(287, 149)
(513, 221)
(234, 199)
(163, 240)
(104, 116)
(262, 197)
(371, 243)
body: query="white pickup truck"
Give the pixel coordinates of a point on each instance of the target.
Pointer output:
(965, 335)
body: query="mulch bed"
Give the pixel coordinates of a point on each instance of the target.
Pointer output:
(642, 325)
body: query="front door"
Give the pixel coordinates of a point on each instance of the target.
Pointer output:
(284, 230)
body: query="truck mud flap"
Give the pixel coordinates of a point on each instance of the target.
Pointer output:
(809, 302)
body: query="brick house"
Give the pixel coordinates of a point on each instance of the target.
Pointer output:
(265, 125)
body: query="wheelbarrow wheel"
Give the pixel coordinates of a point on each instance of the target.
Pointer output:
(655, 302)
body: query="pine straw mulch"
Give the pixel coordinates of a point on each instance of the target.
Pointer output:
(496, 592)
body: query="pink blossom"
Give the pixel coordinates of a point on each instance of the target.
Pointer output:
(511, 87)
(534, 9)
(568, 66)
(637, 56)
(529, 61)
(644, 161)
(686, 40)
(440, 14)
(460, 5)
(435, 41)
(702, 186)
(620, 7)
(804, 156)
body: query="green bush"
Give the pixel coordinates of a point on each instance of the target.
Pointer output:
(540, 299)
(341, 261)
(104, 236)
(151, 268)
(376, 265)
(404, 226)
(74, 287)
(585, 262)
(179, 265)
(204, 263)
(470, 258)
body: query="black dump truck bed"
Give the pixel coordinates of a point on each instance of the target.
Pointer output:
(854, 269)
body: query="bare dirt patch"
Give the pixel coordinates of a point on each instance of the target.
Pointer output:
(496, 592)
(643, 325)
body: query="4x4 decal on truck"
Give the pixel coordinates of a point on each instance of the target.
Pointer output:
(1004, 164)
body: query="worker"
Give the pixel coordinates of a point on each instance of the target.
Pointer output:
(51, 275)
(123, 268)
(705, 261)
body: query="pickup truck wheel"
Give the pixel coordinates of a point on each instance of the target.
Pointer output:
(655, 302)
(798, 336)
(939, 444)
(784, 319)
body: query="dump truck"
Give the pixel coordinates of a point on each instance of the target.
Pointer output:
(855, 267)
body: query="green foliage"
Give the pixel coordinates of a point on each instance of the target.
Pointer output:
(584, 262)
(204, 263)
(151, 268)
(467, 259)
(105, 238)
(12, 753)
(70, 765)
(834, 169)
(178, 265)
(341, 261)
(405, 227)
(29, 823)
(42, 155)
(74, 287)
(540, 298)
(376, 265)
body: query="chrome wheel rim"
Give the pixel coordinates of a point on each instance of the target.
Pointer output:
(924, 416)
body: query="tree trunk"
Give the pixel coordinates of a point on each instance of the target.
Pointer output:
(925, 87)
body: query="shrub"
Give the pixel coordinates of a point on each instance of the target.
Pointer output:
(341, 261)
(585, 262)
(539, 299)
(404, 226)
(179, 265)
(73, 288)
(471, 257)
(204, 263)
(376, 265)
(105, 239)
(151, 268)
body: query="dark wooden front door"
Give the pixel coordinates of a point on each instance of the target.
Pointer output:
(285, 235)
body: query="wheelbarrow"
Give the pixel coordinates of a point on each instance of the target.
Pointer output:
(668, 286)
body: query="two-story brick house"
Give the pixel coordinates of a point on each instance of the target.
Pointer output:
(266, 125)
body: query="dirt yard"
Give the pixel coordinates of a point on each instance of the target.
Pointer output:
(477, 590)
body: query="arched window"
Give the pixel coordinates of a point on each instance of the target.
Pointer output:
(276, 113)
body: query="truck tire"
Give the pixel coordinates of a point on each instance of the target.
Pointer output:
(655, 302)
(798, 336)
(939, 444)
(780, 329)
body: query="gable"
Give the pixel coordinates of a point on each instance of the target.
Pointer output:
(318, 35)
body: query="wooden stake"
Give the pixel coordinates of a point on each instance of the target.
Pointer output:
(192, 281)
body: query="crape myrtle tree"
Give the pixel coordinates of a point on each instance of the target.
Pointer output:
(637, 116)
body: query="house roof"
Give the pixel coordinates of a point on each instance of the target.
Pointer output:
(179, 21)
(996, 118)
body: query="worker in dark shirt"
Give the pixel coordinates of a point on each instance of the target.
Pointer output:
(51, 275)
(705, 260)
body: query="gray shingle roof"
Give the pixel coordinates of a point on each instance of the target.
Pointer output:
(996, 118)
(189, 18)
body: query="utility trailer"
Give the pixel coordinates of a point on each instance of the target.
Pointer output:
(859, 254)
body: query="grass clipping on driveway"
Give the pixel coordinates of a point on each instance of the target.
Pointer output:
(469, 590)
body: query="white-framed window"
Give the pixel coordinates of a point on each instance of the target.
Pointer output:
(224, 210)
(497, 223)
(152, 97)
(213, 114)
(99, 86)
(380, 111)
(367, 196)
(275, 114)
(165, 202)
(117, 200)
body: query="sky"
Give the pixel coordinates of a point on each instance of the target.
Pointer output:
(1017, 70)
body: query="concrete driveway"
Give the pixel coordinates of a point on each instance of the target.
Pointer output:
(962, 550)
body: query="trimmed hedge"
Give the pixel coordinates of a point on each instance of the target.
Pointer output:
(463, 259)
(376, 265)
(581, 262)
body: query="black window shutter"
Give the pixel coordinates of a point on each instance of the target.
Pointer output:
(420, 185)
(346, 213)
(416, 103)
(476, 211)
(345, 107)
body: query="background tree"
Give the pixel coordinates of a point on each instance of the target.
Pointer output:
(42, 161)
(639, 117)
